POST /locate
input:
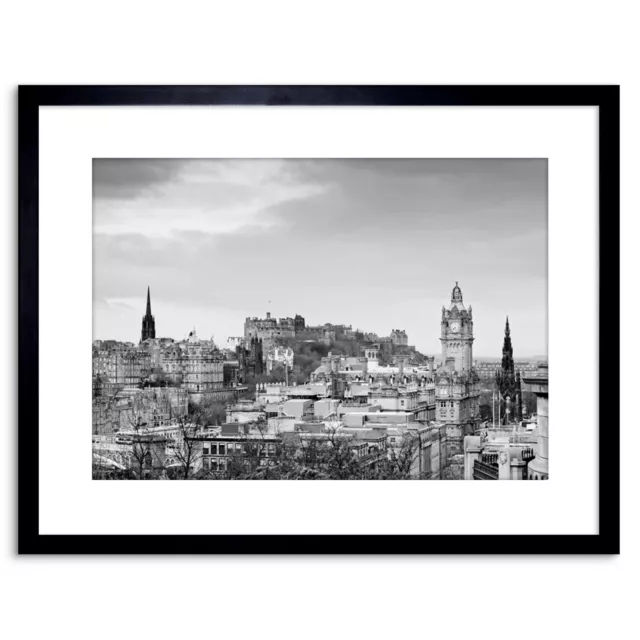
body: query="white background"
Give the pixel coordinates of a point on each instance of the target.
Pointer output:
(71, 136)
(329, 42)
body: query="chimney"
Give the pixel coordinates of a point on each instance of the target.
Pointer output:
(430, 362)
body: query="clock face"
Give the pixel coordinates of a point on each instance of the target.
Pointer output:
(455, 327)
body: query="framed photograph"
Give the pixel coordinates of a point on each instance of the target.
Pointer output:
(311, 318)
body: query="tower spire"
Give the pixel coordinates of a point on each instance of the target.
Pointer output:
(456, 294)
(507, 381)
(148, 321)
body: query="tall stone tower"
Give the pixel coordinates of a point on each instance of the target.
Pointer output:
(457, 332)
(456, 382)
(508, 383)
(148, 321)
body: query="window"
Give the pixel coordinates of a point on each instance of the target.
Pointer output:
(214, 449)
(205, 449)
(221, 449)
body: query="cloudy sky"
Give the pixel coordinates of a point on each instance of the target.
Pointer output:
(377, 244)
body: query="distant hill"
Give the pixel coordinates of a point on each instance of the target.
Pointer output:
(517, 358)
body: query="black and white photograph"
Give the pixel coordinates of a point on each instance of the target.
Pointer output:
(320, 319)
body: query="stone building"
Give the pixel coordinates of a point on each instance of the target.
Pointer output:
(539, 384)
(456, 382)
(457, 332)
(238, 446)
(269, 330)
(155, 347)
(457, 404)
(119, 366)
(133, 408)
(371, 352)
(250, 357)
(298, 323)
(503, 455)
(234, 342)
(280, 356)
(399, 337)
(196, 365)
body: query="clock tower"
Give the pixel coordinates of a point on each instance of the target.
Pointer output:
(456, 332)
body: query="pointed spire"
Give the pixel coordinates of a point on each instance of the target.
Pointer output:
(456, 294)
(148, 321)
(506, 328)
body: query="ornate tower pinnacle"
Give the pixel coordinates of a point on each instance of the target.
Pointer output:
(507, 349)
(148, 321)
(456, 295)
(507, 381)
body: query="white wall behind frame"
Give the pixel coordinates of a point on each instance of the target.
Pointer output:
(72, 503)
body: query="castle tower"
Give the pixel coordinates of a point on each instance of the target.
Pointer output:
(508, 383)
(148, 321)
(457, 332)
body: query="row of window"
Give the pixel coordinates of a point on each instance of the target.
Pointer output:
(222, 449)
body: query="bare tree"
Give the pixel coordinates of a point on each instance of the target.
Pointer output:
(403, 459)
(187, 447)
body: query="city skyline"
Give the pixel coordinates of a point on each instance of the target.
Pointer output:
(377, 244)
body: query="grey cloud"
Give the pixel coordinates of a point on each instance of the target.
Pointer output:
(385, 199)
(128, 178)
(376, 242)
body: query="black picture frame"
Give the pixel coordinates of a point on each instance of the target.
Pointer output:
(605, 98)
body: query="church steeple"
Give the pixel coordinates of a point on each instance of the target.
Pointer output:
(148, 321)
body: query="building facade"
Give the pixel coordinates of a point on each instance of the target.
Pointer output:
(269, 330)
(119, 366)
(250, 357)
(280, 357)
(399, 337)
(197, 366)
